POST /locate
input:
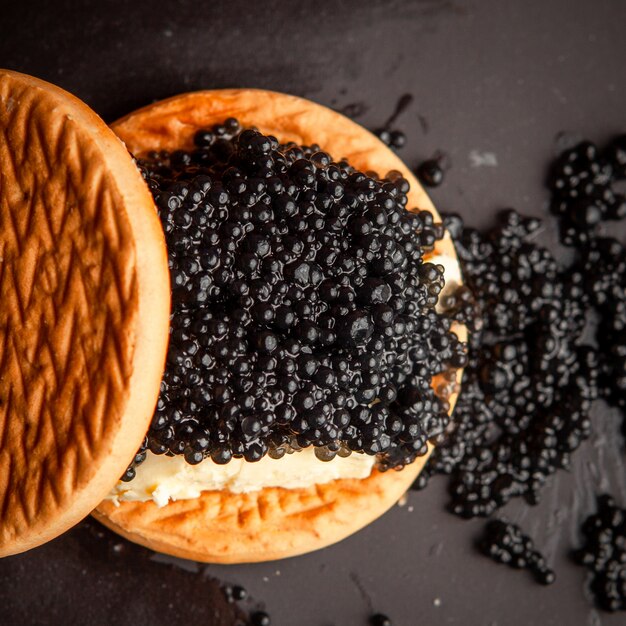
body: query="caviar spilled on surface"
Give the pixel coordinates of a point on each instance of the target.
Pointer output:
(582, 181)
(531, 377)
(300, 296)
(604, 553)
(505, 542)
(530, 381)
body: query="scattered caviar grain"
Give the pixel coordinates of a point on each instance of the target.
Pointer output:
(430, 172)
(393, 138)
(379, 619)
(238, 593)
(604, 553)
(384, 135)
(533, 372)
(530, 380)
(397, 139)
(505, 542)
(260, 618)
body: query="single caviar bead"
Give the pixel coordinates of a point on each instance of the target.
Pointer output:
(238, 593)
(380, 619)
(397, 139)
(529, 381)
(430, 173)
(384, 135)
(260, 618)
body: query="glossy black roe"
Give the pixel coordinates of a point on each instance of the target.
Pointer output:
(603, 263)
(393, 138)
(379, 619)
(530, 381)
(260, 618)
(237, 593)
(505, 542)
(582, 183)
(430, 172)
(604, 553)
(300, 296)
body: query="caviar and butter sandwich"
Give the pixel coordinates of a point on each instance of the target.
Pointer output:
(305, 333)
(310, 365)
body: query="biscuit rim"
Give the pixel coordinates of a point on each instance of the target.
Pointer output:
(389, 487)
(160, 126)
(150, 322)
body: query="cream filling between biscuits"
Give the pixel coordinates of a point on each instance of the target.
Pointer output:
(163, 478)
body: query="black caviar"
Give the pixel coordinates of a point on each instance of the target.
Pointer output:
(303, 311)
(430, 172)
(546, 340)
(236, 593)
(583, 184)
(604, 265)
(393, 138)
(530, 380)
(581, 181)
(260, 618)
(604, 553)
(388, 134)
(505, 542)
(379, 619)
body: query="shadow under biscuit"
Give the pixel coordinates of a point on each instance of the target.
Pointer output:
(91, 576)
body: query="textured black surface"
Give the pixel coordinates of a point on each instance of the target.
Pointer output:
(493, 82)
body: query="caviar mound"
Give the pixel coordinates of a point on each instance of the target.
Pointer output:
(303, 311)
(171, 125)
(85, 290)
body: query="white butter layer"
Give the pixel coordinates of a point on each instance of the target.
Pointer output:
(451, 275)
(163, 478)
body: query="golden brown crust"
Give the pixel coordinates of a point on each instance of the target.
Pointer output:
(220, 526)
(84, 316)
(170, 125)
(273, 523)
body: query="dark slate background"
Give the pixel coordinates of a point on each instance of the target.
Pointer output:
(495, 85)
